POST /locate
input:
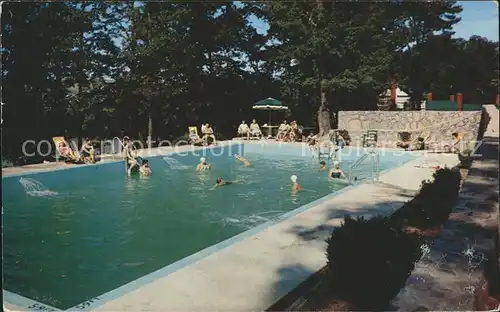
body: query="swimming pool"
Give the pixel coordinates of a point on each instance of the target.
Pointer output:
(71, 235)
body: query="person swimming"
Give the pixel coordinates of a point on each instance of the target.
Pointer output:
(221, 182)
(203, 165)
(322, 165)
(145, 169)
(243, 160)
(336, 172)
(295, 184)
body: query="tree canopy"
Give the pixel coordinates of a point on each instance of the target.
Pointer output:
(105, 69)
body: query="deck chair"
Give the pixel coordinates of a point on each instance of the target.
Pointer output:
(194, 138)
(70, 157)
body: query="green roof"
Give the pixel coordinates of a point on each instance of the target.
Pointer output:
(448, 105)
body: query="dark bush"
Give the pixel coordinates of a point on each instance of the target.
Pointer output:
(369, 261)
(435, 201)
(404, 136)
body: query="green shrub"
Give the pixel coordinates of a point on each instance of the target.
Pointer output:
(369, 261)
(434, 203)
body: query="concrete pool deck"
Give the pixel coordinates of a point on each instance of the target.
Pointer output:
(253, 270)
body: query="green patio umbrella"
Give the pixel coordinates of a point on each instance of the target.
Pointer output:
(270, 105)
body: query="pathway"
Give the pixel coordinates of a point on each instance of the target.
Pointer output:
(447, 277)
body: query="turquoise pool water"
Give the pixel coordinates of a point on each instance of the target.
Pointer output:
(71, 235)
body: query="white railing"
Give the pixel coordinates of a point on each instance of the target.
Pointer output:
(375, 161)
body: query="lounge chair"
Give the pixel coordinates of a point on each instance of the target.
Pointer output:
(194, 138)
(68, 155)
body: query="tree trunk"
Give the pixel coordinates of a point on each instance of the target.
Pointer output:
(324, 120)
(150, 128)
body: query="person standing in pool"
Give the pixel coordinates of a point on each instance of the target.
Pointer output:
(243, 160)
(145, 169)
(322, 165)
(336, 172)
(295, 184)
(203, 165)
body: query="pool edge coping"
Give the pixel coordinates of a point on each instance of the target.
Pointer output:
(210, 250)
(24, 303)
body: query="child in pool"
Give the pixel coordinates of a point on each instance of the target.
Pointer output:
(295, 184)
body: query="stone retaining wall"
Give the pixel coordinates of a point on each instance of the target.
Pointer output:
(439, 124)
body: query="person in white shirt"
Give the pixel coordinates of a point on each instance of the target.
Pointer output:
(282, 130)
(209, 134)
(255, 129)
(243, 129)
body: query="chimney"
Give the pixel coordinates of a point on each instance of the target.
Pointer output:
(460, 101)
(429, 97)
(452, 97)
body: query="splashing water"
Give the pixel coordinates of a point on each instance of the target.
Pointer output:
(245, 221)
(174, 163)
(35, 188)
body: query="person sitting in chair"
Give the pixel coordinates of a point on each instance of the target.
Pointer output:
(67, 152)
(243, 130)
(88, 152)
(193, 136)
(454, 145)
(311, 139)
(204, 129)
(255, 129)
(209, 134)
(282, 130)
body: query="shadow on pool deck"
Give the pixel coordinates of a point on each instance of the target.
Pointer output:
(323, 231)
(295, 279)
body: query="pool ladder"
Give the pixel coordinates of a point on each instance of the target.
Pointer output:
(375, 157)
(121, 142)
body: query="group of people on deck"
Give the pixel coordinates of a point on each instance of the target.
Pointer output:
(455, 145)
(286, 132)
(86, 154)
(249, 131)
(289, 132)
(208, 135)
